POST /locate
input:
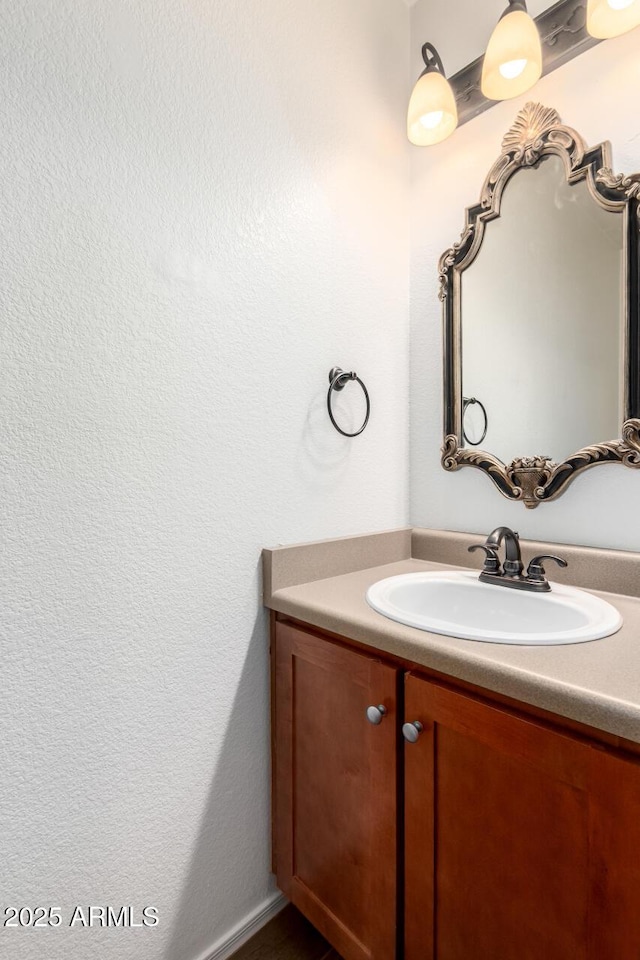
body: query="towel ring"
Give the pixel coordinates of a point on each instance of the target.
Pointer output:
(338, 379)
(467, 402)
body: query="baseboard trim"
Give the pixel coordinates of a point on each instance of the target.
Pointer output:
(245, 929)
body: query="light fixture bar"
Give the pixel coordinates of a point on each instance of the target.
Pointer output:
(564, 35)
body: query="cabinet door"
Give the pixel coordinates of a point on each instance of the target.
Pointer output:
(522, 842)
(335, 791)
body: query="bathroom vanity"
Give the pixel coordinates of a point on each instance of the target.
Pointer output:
(440, 798)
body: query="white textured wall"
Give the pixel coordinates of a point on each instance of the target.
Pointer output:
(204, 207)
(597, 94)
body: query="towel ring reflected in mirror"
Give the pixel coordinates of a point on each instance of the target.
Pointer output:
(469, 402)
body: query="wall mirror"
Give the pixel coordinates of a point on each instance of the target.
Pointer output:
(541, 305)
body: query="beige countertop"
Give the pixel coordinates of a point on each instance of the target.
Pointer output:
(596, 683)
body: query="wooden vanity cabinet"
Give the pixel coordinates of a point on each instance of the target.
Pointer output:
(335, 796)
(522, 841)
(519, 834)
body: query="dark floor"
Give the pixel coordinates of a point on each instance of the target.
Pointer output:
(287, 937)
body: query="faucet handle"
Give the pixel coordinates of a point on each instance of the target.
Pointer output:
(491, 561)
(535, 570)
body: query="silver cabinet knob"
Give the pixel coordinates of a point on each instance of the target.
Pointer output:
(411, 731)
(376, 714)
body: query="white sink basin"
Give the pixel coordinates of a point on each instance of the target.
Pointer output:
(457, 604)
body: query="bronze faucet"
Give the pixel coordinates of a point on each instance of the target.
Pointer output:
(509, 574)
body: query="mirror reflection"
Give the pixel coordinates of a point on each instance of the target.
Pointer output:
(542, 321)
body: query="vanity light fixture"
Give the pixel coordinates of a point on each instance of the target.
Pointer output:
(610, 18)
(513, 61)
(432, 115)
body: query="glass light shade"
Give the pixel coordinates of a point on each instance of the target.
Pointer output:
(610, 18)
(432, 115)
(513, 61)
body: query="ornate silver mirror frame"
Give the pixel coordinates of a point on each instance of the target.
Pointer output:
(536, 133)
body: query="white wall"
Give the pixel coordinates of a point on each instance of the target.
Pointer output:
(204, 207)
(597, 94)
